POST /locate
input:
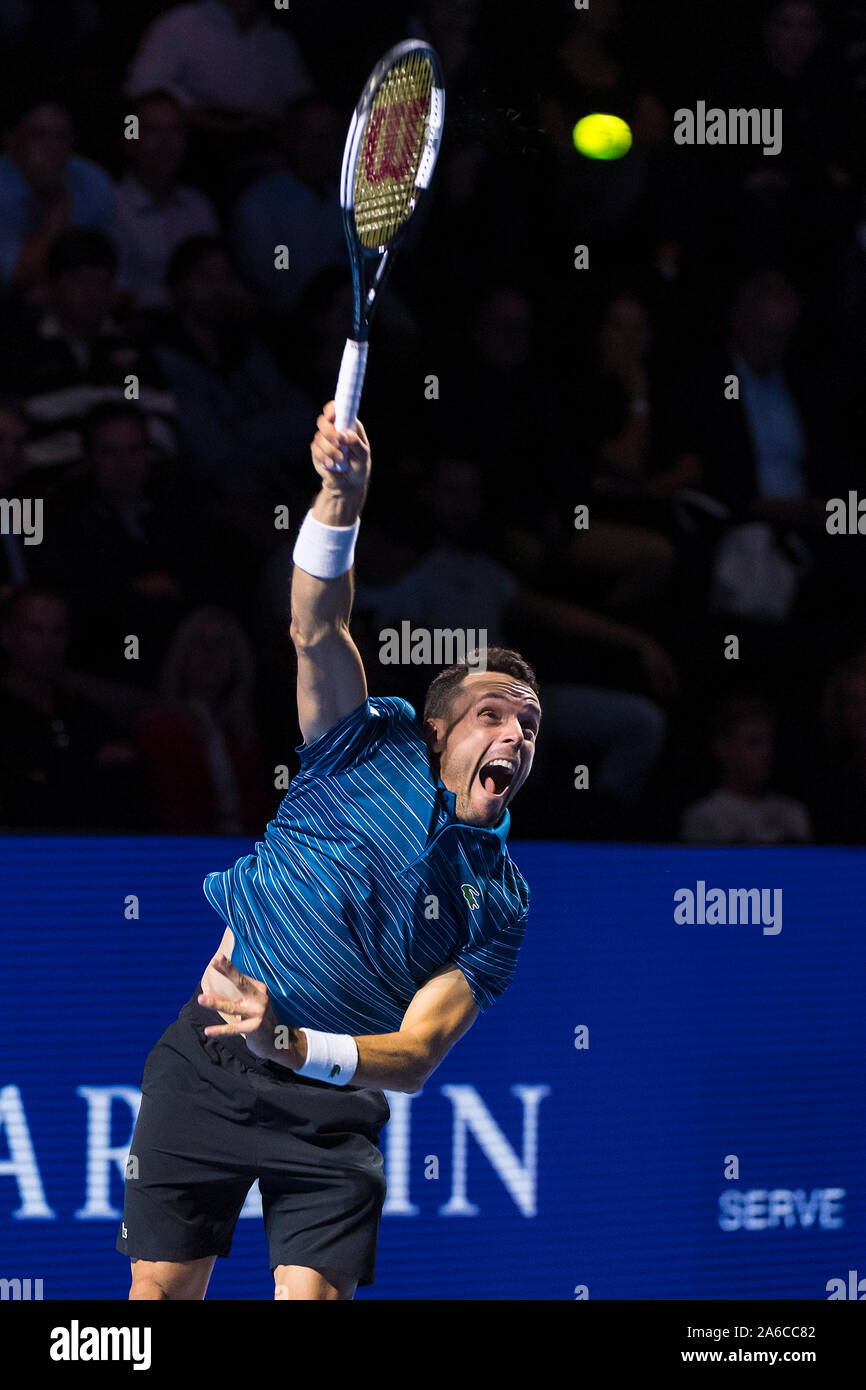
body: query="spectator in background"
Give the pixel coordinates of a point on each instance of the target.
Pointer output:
(200, 745)
(297, 206)
(770, 431)
(848, 309)
(234, 68)
(450, 26)
(29, 32)
(587, 62)
(764, 452)
(634, 471)
(789, 207)
(588, 72)
(311, 348)
(66, 358)
(495, 393)
(63, 764)
(155, 211)
(242, 423)
(742, 810)
(622, 417)
(764, 320)
(133, 553)
(223, 59)
(842, 780)
(44, 189)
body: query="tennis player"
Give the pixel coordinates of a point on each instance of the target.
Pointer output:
(379, 915)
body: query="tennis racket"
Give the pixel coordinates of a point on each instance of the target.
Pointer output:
(388, 161)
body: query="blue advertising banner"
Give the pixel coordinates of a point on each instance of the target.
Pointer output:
(668, 1102)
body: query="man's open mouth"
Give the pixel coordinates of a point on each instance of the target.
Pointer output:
(497, 775)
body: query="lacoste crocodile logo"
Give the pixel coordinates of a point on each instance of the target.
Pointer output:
(470, 893)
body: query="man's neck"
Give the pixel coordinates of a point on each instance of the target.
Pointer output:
(746, 791)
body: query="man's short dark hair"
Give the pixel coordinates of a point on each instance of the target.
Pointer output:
(20, 102)
(752, 289)
(444, 686)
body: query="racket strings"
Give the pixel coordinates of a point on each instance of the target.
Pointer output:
(391, 150)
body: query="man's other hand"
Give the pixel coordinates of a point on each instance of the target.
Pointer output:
(251, 1015)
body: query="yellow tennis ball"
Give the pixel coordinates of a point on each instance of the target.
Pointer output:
(602, 137)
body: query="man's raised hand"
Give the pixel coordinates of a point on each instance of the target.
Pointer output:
(341, 458)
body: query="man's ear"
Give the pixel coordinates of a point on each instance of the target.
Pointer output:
(434, 734)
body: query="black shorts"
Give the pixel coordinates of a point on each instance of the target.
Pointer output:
(214, 1118)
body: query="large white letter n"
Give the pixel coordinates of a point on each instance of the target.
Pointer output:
(519, 1176)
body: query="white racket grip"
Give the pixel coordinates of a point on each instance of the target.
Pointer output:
(350, 383)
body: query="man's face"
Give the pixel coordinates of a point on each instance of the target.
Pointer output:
(35, 638)
(626, 331)
(41, 144)
(792, 34)
(746, 752)
(161, 145)
(486, 744)
(120, 457)
(83, 298)
(210, 291)
(765, 334)
(208, 663)
(456, 500)
(503, 331)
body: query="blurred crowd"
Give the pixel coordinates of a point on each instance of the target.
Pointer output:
(617, 459)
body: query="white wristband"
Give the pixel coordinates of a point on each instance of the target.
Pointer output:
(323, 551)
(330, 1057)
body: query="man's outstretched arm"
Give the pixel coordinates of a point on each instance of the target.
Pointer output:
(331, 680)
(441, 1011)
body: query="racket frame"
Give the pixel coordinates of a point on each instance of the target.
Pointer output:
(366, 286)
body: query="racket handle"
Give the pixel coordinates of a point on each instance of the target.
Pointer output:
(350, 384)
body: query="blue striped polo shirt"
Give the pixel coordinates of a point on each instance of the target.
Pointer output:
(365, 883)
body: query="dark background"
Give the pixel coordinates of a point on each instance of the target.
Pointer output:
(159, 519)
